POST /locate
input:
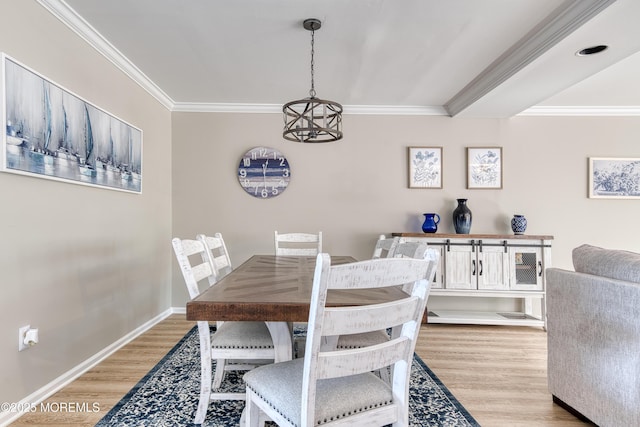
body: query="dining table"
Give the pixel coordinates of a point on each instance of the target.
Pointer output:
(276, 290)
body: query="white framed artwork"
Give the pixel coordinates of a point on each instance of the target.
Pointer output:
(614, 178)
(484, 167)
(425, 167)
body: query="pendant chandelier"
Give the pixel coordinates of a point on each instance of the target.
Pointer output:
(312, 119)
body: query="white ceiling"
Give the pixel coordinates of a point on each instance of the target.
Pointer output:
(474, 58)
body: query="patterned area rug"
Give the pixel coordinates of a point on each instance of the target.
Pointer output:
(168, 396)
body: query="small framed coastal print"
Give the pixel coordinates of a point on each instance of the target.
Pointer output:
(484, 167)
(614, 178)
(425, 167)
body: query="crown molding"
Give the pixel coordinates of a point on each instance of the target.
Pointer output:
(566, 19)
(210, 107)
(396, 110)
(82, 28)
(393, 110)
(387, 110)
(608, 111)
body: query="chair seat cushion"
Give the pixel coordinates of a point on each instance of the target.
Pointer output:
(242, 335)
(280, 385)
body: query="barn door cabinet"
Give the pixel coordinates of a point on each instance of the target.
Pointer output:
(489, 266)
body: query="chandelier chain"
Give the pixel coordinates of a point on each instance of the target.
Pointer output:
(312, 92)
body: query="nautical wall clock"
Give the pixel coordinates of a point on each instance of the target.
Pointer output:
(264, 172)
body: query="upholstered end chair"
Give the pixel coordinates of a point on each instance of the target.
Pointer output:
(336, 386)
(593, 324)
(335, 398)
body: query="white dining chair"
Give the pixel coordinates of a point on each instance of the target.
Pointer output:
(400, 250)
(385, 247)
(300, 244)
(234, 345)
(339, 386)
(216, 254)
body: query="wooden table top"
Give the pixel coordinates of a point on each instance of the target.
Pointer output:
(274, 288)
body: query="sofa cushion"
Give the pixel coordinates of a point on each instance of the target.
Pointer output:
(611, 263)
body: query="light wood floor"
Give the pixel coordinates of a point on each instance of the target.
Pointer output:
(498, 373)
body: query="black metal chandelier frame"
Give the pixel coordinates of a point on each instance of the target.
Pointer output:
(312, 119)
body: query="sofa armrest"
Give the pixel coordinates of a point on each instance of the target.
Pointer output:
(593, 332)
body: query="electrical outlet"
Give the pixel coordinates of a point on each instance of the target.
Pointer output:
(22, 332)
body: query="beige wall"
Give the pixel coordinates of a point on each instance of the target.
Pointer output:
(84, 265)
(355, 189)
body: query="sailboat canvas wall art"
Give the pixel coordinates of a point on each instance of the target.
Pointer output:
(52, 133)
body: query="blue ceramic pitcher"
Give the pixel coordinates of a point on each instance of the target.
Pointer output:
(431, 221)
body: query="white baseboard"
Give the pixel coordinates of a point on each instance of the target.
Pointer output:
(179, 310)
(39, 395)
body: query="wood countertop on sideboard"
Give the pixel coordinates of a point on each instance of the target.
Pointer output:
(473, 236)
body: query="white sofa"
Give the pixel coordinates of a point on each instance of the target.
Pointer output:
(593, 329)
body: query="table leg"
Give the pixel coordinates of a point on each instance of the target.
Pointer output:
(281, 334)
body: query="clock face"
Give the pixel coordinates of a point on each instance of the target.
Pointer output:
(264, 172)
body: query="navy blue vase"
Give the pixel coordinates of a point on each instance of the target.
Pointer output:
(462, 217)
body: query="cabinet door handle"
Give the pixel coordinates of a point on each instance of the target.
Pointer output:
(540, 268)
(473, 266)
(480, 262)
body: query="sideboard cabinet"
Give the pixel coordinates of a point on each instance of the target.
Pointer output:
(490, 266)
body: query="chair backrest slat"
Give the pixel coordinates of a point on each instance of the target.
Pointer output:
(300, 244)
(384, 273)
(333, 364)
(297, 252)
(346, 321)
(202, 271)
(190, 247)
